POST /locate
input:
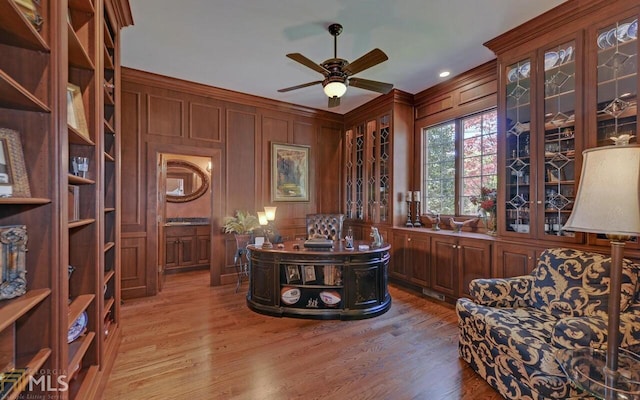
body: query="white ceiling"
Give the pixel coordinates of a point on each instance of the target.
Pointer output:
(241, 44)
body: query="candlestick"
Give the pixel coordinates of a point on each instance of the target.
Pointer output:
(416, 198)
(409, 223)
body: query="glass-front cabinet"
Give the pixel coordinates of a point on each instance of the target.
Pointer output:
(615, 63)
(368, 170)
(541, 96)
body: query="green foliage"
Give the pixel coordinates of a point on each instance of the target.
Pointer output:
(243, 223)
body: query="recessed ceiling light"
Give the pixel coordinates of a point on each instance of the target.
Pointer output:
(444, 74)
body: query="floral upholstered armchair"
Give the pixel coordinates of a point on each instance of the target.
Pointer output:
(511, 330)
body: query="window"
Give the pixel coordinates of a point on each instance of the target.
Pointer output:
(459, 158)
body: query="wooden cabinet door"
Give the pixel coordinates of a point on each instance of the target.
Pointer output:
(171, 245)
(474, 261)
(187, 251)
(418, 253)
(398, 267)
(203, 249)
(514, 260)
(444, 254)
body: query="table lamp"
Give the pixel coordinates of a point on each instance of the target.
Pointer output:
(608, 202)
(264, 219)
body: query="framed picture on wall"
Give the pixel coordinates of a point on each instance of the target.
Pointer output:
(14, 181)
(289, 172)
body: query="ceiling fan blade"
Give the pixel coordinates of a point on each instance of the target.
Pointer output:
(307, 62)
(299, 86)
(374, 57)
(367, 84)
(334, 102)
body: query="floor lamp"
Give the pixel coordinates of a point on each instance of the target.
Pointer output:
(608, 202)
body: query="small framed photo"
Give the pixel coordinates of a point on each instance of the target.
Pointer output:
(14, 181)
(308, 273)
(76, 117)
(292, 273)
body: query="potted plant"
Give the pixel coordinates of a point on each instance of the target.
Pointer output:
(241, 225)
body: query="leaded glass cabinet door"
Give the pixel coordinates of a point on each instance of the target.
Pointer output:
(560, 138)
(355, 178)
(616, 113)
(384, 173)
(518, 176)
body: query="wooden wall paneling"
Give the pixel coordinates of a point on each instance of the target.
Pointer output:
(241, 166)
(134, 177)
(165, 115)
(328, 171)
(134, 255)
(206, 121)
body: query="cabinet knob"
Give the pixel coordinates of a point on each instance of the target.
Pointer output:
(408, 239)
(454, 246)
(539, 201)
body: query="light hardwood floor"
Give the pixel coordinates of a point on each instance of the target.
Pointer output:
(193, 341)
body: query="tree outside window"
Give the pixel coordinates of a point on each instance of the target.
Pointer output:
(459, 158)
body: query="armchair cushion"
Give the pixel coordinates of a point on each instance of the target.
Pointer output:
(506, 292)
(573, 283)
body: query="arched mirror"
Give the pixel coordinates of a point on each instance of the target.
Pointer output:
(185, 181)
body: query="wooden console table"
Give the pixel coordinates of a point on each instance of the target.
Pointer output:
(316, 283)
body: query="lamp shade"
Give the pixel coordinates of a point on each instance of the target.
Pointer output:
(270, 213)
(608, 198)
(262, 218)
(335, 89)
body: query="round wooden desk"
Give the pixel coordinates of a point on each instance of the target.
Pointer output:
(319, 283)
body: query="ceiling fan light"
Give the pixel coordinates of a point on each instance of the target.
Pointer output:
(335, 89)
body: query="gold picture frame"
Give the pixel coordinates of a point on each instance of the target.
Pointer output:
(76, 117)
(14, 181)
(31, 10)
(289, 172)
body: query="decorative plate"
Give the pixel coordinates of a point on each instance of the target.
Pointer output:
(611, 37)
(524, 69)
(602, 40)
(78, 327)
(622, 33)
(550, 59)
(632, 32)
(568, 54)
(512, 76)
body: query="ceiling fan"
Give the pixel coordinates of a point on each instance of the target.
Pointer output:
(337, 71)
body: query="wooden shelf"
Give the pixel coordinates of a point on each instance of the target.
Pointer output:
(14, 96)
(108, 246)
(33, 366)
(77, 306)
(76, 180)
(24, 200)
(75, 137)
(108, 62)
(11, 310)
(107, 307)
(109, 157)
(83, 386)
(108, 40)
(109, 209)
(77, 350)
(78, 56)
(109, 275)
(81, 222)
(82, 5)
(17, 30)
(108, 128)
(108, 99)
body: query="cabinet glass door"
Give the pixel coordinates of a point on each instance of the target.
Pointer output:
(518, 147)
(617, 88)
(559, 137)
